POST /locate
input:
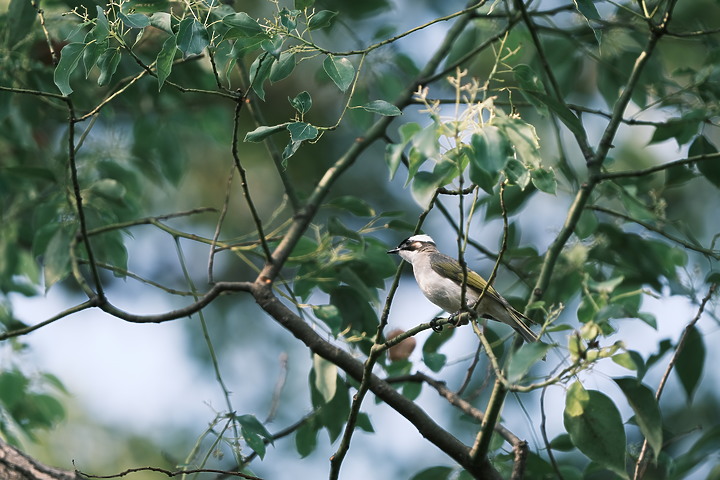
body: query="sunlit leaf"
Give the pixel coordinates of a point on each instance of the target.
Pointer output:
(325, 377)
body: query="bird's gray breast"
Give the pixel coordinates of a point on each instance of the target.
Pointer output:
(441, 291)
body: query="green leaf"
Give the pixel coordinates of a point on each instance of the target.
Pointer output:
(690, 362)
(524, 359)
(19, 21)
(330, 315)
(709, 168)
(302, 102)
(101, 30)
(647, 413)
(108, 63)
(587, 8)
(259, 72)
(516, 172)
(544, 180)
(434, 361)
(300, 131)
(393, 157)
(491, 149)
(522, 137)
(247, 25)
(289, 151)
(254, 433)
(165, 60)
(325, 377)
(93, 50)
(337, 229)
(382, 107)
(69, 59)
(261, 133)
(340, 71)
(355, 205)
(433, 473)
(562, 443)
(306, 438)
(283, 67)
(162, 21)
(595, 427)
(192, 37)
(134, 20)
(57, 257)
(321, 19)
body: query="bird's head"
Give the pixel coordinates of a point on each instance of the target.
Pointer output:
(410, 247)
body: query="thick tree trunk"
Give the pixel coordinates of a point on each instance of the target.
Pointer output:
(15, 465)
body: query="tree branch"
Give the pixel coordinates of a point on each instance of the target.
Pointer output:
(422, 421)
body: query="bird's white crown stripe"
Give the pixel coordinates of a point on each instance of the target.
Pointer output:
(421, 238)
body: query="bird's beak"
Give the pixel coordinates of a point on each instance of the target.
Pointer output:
(394, 250)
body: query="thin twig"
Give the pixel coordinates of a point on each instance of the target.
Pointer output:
(244, 183)
(543, 432)
(24, 331)
(705, 251)
(218, 226)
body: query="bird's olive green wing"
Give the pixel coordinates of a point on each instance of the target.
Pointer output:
(451, 269)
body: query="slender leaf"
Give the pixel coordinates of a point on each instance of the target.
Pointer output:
(261, 133)
(165, 60)
(382, 107)
(690, 362)
(647, 413)
(20, 18)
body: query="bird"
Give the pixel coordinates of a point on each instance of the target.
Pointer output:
(440, 279)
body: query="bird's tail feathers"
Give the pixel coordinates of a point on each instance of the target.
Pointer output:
(520, 326)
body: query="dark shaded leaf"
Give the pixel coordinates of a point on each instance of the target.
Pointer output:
(690, 362)
(647, 413)
(192, 37)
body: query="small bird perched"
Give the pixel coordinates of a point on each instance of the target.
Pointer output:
(440, 278)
